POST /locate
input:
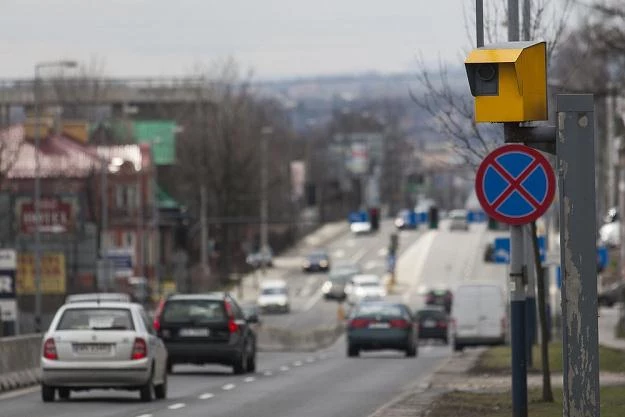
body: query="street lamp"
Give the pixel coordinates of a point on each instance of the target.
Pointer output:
(38, 67)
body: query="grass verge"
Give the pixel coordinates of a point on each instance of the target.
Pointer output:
(468, 404)
(497, 359)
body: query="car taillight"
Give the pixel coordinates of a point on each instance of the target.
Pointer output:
(139, 349)
(233, 327)
(442, 324)
(49, 350)
(157, 316)
(400, 324)
(359, 323)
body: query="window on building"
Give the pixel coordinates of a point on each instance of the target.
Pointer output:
(126, 196)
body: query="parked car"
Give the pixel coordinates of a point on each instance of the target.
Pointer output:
(402, 220)
(478, 315)
(611, 295)
(317, 261)
(442, 297)
(433, 324)
(334, 287)
(207, 328)
(458, 220)
(360, 228)
(364, 287)
(274, 296)
(382, 325)
(102, 344)
(261, 258)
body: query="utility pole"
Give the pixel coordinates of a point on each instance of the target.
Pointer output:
(610, 160)
(104, 212)
(479, 22)
(530, 294)
(203, 231)
(264, 198)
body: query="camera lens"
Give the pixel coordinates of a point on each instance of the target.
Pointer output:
(486, 72)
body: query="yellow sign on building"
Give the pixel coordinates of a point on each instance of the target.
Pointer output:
(53, 275)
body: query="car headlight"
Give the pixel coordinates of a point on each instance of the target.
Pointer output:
(306, 264)
(360, 291)
(326, 287)
(399, 222)
(323, 264)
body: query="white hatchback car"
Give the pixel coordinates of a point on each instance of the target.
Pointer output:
(102, 345)
(364, 287)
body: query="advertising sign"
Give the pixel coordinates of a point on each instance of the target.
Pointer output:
(53, 275)
(358, 161)
(122, 259)
(56, 215)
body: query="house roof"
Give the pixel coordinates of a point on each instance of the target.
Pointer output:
(59, 156)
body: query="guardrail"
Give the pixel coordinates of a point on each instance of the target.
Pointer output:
(19, 361)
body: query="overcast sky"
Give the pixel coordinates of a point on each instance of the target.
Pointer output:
(277, 38)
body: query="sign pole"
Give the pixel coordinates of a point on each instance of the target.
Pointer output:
(576, 172)
(517, 323)
(530, 302)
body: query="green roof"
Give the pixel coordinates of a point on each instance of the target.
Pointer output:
(161, 135)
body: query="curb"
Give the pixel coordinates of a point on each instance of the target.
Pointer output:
(21, 379)
(418, 387)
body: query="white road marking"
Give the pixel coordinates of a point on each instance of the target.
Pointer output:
(177, 406)
(284, 368)
(228, 387)
(383, 252)
(370, 265)
(308, 288)
(313, 300)
(418, 255)
(268, 373)
(351, 243)
(310, 359)
(358, 255)
(145, 415)
(249, 379)
(323, 356)
(206, 396)
(339, 253)
(297, 363)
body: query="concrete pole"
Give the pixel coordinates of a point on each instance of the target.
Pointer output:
(610, 160)
(513, 20)
(576, 169)
(104, 211)
(517, 322)
(530, 316)
(37, 201)
(203, 230)
(527, 19)
(479, 22)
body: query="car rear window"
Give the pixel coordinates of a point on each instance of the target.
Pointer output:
(431, 314)
(96, 319)
(193, 311)
(369, 284)
(273, 291)
(383, 310)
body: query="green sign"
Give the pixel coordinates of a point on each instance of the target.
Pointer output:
(161, 135)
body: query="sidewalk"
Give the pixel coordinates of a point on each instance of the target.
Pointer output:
(454, 375)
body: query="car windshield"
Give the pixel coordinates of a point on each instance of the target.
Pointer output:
(382, 310)
(273, 291)
(96, 319)
(193, 311)
(317, 256)
(369, 284)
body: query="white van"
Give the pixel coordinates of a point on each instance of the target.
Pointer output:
(479, 315)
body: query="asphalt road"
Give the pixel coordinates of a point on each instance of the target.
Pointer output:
(325, 383)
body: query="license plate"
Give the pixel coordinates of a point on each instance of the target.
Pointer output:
(194, 332)
(92, 348)
(429, 323)
(379, 326)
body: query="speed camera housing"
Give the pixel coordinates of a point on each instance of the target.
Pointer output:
(509, 81)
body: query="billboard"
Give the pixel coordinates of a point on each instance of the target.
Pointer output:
(161, 135)
(53, 275)
(358, 159)
(8, 304)
(298, 179)
(55, 215)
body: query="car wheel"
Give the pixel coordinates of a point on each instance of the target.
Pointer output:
(170, 367)
(352, 351)
(240, 364)
(251, 361)
(47, 393)
(64, 393)
(146, 392)
(160, 391)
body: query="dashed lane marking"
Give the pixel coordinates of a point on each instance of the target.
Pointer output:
(206, 396)
(228, 387)
(249, 379)
(297, 363)
(268, 373)
(310, 359)
(177, 406)
(284, 368)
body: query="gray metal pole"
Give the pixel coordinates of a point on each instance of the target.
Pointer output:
(609, 149)
(264, 198)
(479, 22)
(37, 199)
(527, 19)
(530, 302)
(104, 208)
(517, 320)
(513, 20)
(576, 175)
(203, 230)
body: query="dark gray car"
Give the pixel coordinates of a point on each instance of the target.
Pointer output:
(206, 329)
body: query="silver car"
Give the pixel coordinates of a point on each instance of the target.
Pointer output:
(102, 345)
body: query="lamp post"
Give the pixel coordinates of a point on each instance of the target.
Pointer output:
(37, 197)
